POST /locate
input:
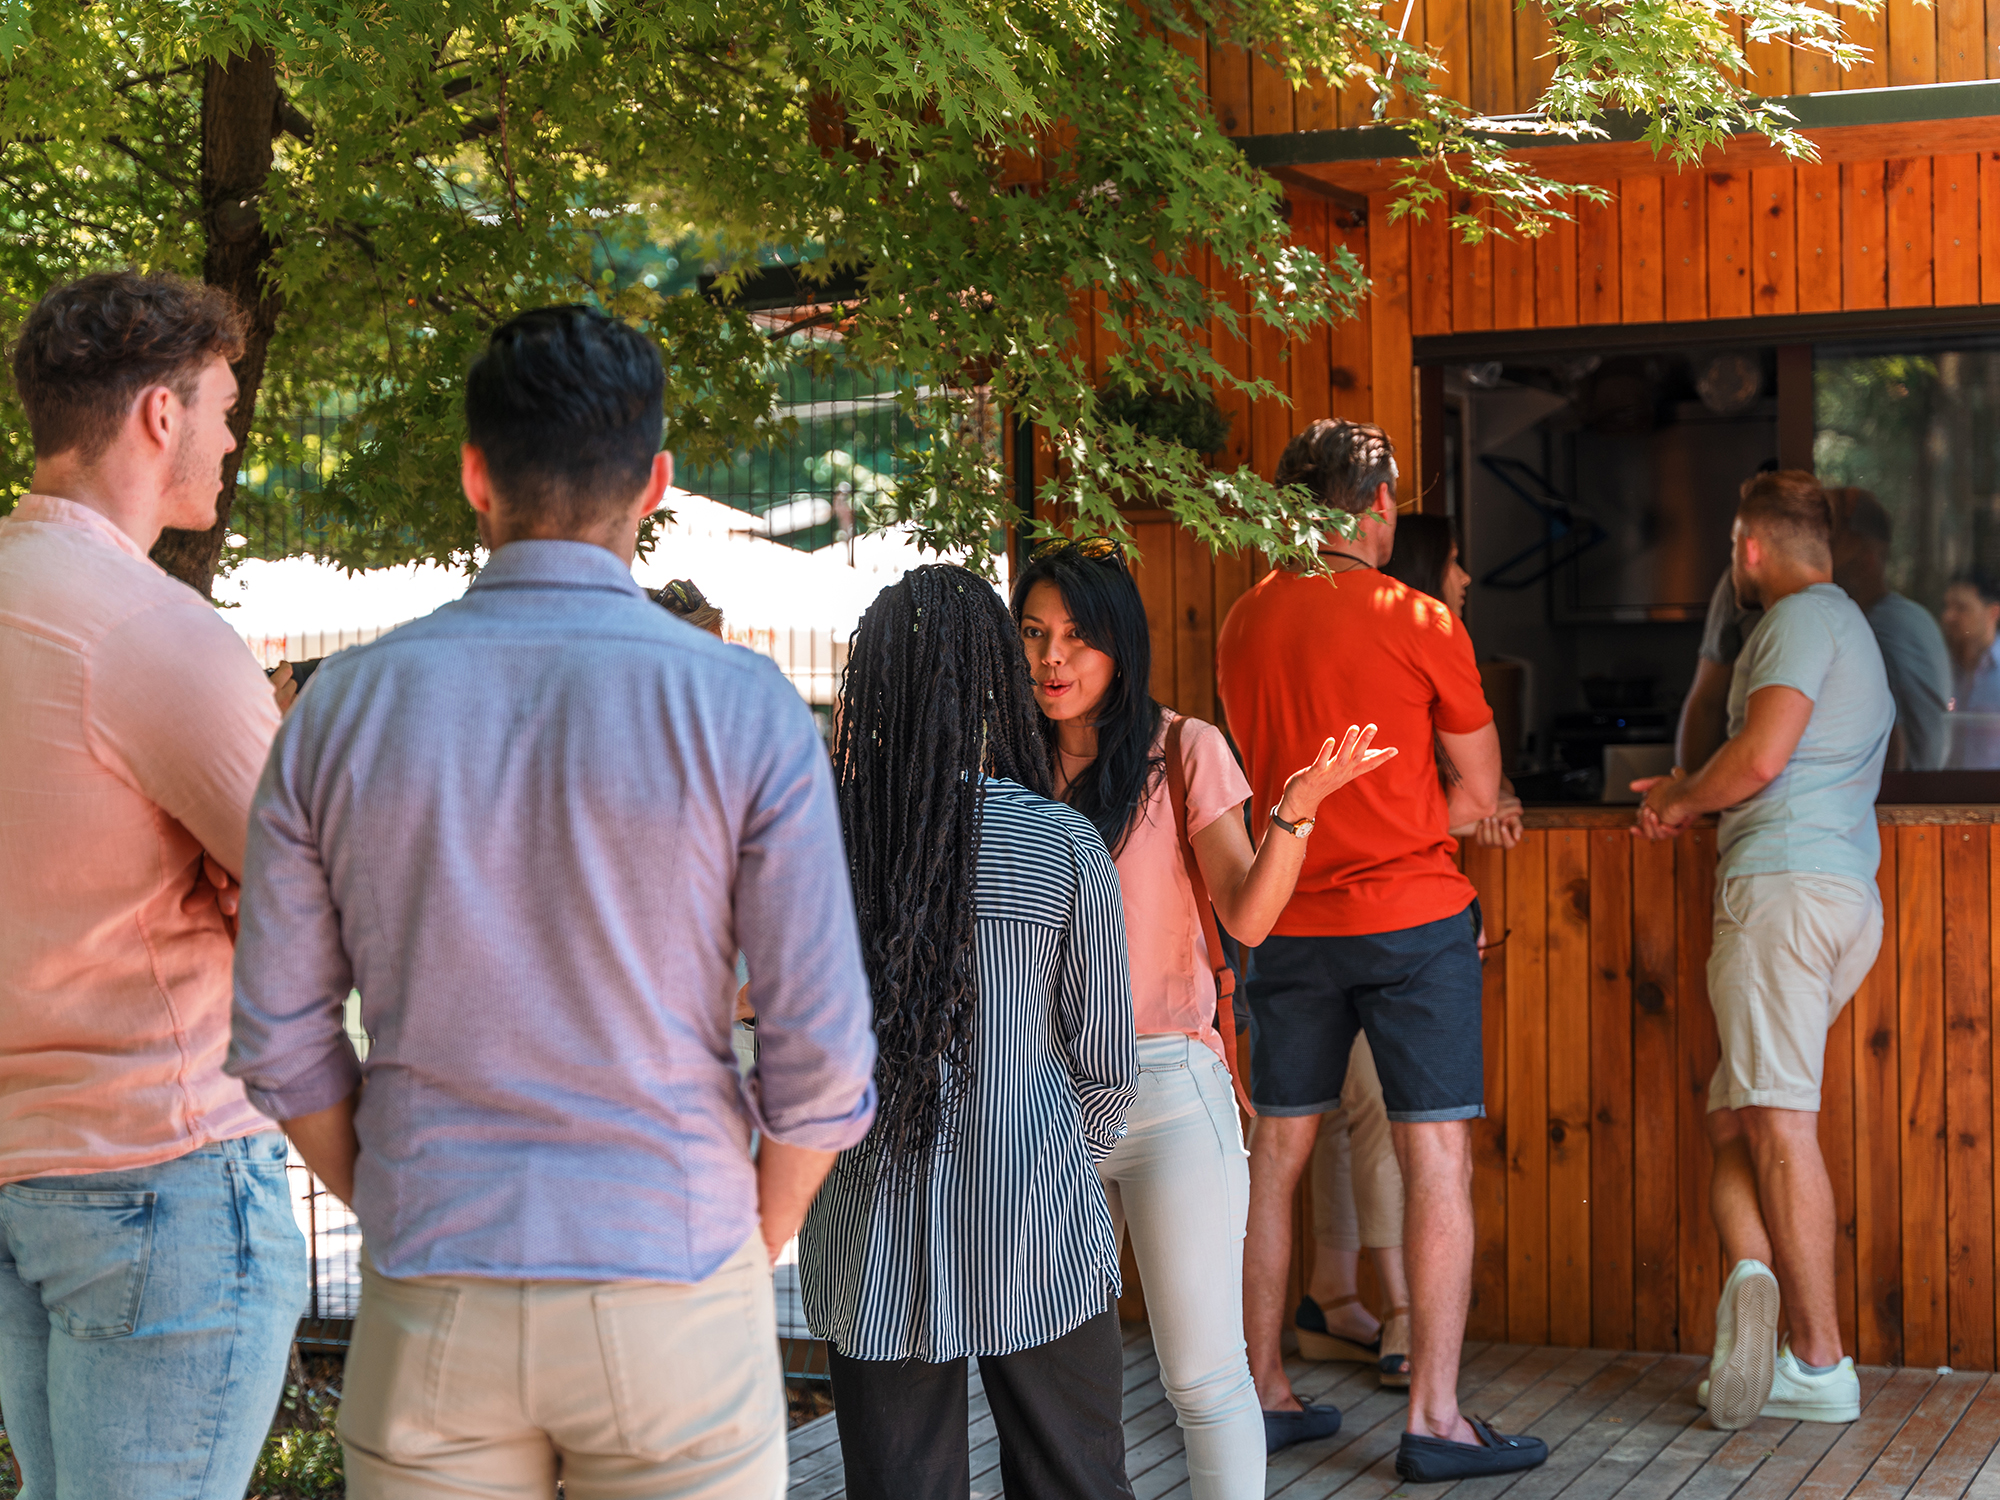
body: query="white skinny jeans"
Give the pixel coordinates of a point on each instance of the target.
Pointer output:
(1181, 1179)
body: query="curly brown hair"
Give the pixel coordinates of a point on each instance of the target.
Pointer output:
(1340, 464)
(91, 345)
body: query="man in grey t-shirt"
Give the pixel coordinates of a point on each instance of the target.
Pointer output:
(1912, 645)
(1798, 923)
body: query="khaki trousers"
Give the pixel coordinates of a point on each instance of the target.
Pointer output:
(463, 1386)
(1357, 1188)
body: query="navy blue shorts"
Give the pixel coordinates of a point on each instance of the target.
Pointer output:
(1415, 992)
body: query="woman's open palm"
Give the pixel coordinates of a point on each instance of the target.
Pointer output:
(1339, 762)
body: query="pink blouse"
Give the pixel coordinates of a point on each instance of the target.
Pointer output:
(1173, 987)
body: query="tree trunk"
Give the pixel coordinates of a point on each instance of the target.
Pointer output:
(239, 122)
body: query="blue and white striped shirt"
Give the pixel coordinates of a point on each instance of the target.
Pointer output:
(1009, 1246)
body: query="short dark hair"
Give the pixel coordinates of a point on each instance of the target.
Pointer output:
(1981, 582)
(91, 345)
(1789, 506)
(1339, 463)
(1862, 514)
(565, 404)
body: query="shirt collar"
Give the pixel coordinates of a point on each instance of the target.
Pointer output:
(51, 511)
(546, 564)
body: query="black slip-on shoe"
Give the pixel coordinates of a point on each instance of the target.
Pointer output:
(1284, 1428)
(1429, 1460)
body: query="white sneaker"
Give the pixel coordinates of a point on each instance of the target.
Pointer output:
(1799, 1397)
(1744, 1364)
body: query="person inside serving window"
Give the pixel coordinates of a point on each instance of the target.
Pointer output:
(1971, 621)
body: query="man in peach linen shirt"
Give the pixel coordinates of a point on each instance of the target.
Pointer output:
(151, 1275)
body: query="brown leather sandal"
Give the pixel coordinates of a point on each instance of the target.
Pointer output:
(1318, 1342)
(1394, 1362)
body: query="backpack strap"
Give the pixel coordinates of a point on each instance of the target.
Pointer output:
(1225, 976)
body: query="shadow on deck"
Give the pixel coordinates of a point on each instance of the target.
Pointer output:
(1617, 1425)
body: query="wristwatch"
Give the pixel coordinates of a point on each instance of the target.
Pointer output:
(1299, 830)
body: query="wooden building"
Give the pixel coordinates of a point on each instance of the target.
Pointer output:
(1592, 1166)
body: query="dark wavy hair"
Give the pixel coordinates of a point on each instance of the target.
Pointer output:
(1422, 553)
(1098, 590)
(91, 345)
(936, 693)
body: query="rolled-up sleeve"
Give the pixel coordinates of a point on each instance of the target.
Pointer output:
(1094, 999)
(813, 1085)
(293, 974)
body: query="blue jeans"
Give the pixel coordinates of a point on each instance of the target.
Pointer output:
(145, 1320)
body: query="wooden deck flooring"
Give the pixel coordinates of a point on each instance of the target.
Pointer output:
(1617, 1425)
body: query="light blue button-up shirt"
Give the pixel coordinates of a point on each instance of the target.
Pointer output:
(534, 828)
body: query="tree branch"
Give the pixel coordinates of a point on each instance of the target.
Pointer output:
(154, 167)
(288, 119)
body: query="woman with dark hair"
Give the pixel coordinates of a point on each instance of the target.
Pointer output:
(970, 1222)
(1167, 797)
(1426, 558)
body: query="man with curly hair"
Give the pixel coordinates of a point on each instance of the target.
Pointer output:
(151, 1275)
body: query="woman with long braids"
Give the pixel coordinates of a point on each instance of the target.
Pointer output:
(1166, 795)
(970, 1222)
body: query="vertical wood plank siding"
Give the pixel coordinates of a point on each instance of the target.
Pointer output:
(1497, 57)
(1591, 1169)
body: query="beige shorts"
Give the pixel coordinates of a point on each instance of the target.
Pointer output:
(1790, 951)
(463, 1385)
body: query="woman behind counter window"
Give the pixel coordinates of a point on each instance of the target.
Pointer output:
(970, 1222)
(1180, 1178)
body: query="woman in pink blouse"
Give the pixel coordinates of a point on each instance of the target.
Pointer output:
(1179, 1178)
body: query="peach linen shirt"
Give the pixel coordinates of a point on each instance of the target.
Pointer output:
(1173, 985)
(133, 726)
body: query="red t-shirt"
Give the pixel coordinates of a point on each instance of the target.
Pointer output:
(1301, 658)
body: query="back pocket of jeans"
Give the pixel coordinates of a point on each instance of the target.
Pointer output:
(87, 1252)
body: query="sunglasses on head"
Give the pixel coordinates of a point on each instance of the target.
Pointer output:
(1095, 548)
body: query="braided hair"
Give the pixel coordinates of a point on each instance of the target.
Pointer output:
(936, 692)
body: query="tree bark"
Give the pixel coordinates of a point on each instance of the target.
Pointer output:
(240, 116)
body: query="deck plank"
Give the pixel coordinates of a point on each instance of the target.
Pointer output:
(1782, 1473)
(1352, 1464)
(1732, 1465)
(1620, 1426)
(1971, 1444)
(1629, 1454)
(1620, 1375)
(1661, 1384)
(1903, 1460)
(1835, 1476)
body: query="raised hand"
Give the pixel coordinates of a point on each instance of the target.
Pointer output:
(1339, 762)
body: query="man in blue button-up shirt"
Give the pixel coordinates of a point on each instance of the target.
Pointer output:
(534, 829)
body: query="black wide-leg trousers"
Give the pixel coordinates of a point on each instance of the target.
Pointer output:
(1057, 1408)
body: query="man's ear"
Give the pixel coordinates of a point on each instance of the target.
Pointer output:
(655, 493)
(156, 408)
(475, 480)
(1385, 502)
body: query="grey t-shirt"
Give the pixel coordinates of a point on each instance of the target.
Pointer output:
(1919, 671)
(1726, 623)
(1818, 814)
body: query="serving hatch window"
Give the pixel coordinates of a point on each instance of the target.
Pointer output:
(1908, 438)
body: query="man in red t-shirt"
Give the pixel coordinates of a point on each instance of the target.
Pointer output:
(1382, 933)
